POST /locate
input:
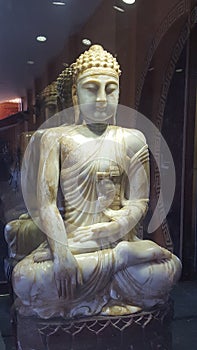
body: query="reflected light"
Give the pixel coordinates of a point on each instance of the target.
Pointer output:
(59, 3)
(86, 42)
(15, 100)
(179, 70)
(118, 8)
(41, 38)
(30, 62)
(129, 2)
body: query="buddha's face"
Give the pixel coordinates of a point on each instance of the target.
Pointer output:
(97, 97)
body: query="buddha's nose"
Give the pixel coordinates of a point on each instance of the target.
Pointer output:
(101, 100)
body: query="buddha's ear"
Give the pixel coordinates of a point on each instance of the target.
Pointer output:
(74, 95)
(75, 103)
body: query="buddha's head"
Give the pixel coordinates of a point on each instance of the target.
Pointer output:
(96, 85)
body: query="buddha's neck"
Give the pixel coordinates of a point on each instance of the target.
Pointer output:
(97, 128)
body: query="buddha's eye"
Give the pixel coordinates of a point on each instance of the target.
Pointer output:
(91, 87)
(111, 88)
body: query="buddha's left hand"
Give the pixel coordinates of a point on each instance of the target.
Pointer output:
(105, 230)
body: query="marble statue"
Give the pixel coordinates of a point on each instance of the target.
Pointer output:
(92, 262)
(64, 88)
(49, 100)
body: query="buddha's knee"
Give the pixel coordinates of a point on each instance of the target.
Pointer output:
(22, 281)
(164, 274)
(32, 280)
(176, 268)
(22, 237)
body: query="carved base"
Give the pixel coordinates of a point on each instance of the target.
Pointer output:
(140, 331)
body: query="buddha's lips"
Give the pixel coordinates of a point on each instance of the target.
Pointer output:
(101, 109)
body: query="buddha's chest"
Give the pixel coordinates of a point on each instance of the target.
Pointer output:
(101, 155)
(93, 168)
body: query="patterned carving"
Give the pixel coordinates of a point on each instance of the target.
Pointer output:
(179, 9)
(159, 120)
(170, 71)
(131, 331)
(99, 324)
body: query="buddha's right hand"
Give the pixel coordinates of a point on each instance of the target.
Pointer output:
(67, 275)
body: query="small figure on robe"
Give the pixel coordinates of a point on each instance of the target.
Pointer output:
(92, 262)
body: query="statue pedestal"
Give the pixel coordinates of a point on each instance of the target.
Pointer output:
(140, 331)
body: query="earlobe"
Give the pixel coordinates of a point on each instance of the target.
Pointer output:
(75, 103)
(74, 95)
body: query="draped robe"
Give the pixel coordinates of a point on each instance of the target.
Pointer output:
(102, 180)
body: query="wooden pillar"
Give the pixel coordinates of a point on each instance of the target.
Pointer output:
(190, 205)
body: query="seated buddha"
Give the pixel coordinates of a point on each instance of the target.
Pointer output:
(92, 262)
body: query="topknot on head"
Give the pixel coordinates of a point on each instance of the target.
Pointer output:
(96, 47)
(98, 61)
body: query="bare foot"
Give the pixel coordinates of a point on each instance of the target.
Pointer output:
(41, 256)
(119, 310)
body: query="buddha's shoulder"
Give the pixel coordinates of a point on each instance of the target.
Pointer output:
(133, 138)
(56, 133)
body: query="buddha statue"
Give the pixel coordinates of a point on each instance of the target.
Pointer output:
(64, 89)
(92, 261)
(46, 101)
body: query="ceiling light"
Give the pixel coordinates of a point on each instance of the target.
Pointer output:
(59, 3)
(41, 38)
(65, 64)
(30, 62)
(179, 70)
(86, 42)
(118, 8)
(129, 2)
